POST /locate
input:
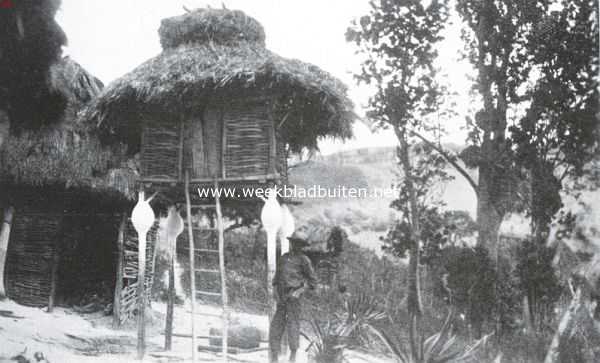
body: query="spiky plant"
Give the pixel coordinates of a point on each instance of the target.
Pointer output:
(441, 347)
(361, 310)
(328, 340)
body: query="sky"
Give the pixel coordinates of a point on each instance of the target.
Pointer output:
(111, 37)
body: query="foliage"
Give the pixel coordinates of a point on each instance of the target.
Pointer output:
(328, 341)
(329, 338)
(558, 135)
(441, 347)
(538, 281)
(495, 37)
(440, 229)
(399, 51)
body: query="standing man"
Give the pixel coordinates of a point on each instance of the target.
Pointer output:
(293, 276)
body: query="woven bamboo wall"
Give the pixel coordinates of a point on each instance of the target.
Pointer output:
(227, 139)
(29, 258)
(161, 148)
(84, 244)
(130, 269)
(248, 136)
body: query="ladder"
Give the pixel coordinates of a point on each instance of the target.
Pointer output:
(194, 251)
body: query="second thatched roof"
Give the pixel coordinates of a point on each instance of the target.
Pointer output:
(66, 155)
(212, 53)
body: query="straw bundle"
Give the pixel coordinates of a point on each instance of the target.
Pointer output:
(210, 25)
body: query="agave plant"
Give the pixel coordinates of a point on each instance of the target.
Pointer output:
(328, 340)
(441, 347)
(361, 311)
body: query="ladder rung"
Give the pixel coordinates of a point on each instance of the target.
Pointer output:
(207, 270)
(203, 206)
(207, 250)
(209, 293)
(207, 314)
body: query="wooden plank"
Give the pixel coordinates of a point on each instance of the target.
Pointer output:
(223, 147)
(54, 277)
(223, 276)
(180, 161)
(4, 240)
(266, 177)
(170, 307)
(272, 149)
(119, 282)
(191, 247)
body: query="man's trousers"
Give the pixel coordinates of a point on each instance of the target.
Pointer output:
(287, 317)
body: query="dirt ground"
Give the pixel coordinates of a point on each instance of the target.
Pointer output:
(64, 336)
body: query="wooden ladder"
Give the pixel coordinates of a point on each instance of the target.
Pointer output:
(194, 251)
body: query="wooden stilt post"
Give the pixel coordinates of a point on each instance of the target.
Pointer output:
(4, 239)
(271, 220)
(54, 278)
(225, 330)
(141, 303)
(142, 218)
(174, 227)
(170, 305)
(119, 282)
(192, 247)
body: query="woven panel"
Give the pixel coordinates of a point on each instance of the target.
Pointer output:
(29, 258)
(130, 269)
(281, 158)
(161, 147)
(248, 140)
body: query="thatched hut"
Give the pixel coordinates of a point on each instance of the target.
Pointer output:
(68, 191)
(218, 104)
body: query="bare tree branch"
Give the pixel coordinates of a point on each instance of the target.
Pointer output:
(450, 159)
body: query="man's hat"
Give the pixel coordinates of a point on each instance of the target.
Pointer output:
(299, 238)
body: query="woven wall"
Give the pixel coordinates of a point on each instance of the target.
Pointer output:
(161, 148)
(248, 135)
(84, 244)
(29, 258)
(130, 269)
(231, 138)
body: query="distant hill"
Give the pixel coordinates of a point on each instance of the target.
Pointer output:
(365, 219)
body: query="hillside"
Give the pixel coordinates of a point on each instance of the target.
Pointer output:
(366, 219)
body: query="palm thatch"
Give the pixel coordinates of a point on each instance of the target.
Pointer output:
(220, 53)
(30, 42)
(67, 154)
(210, 25)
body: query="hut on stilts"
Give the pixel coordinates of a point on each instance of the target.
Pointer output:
(216, 108)
(66, 192)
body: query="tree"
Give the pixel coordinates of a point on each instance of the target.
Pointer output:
(558, 135)
(496, 45)
(30, 42)
(398, 39)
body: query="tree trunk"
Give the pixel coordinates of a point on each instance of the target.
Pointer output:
(568, 321)
(488, 218)
(4, 239)
(414, 303)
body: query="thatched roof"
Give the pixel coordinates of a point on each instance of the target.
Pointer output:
(30, 42)
(212, 53)
(67, 154)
